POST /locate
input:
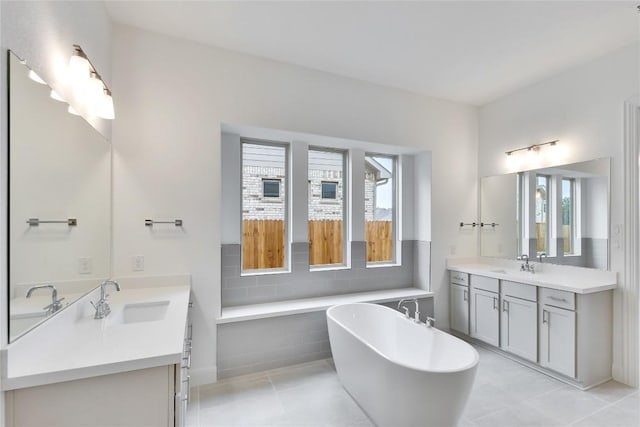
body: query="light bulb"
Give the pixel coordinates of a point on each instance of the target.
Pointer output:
(36, 78)
(94, 89)
(79, 68)
(55, 95)
(72, 110)
(105, 106)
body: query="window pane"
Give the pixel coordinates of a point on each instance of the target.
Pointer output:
(567, 215)
(326, 207)
(270, 188)
(542, 203)
(379, 198)
(329, 190)
(263, 206)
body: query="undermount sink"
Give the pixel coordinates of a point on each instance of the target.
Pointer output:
(144, 311)
(499, 270)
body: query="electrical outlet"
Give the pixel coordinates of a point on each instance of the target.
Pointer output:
(137, 263)
(453, 250)
(84, 265)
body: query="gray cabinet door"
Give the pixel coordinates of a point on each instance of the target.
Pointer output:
(558, 340)
(459, 303)
(485, 316)
(519, 327)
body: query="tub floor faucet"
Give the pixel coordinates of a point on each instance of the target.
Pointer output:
(55, 302)
(416, 315)
(102, 306)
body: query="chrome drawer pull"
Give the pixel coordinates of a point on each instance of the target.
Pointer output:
(495, 303)
(188, 360)
(464, 295)
(505, 305)
(557, 299)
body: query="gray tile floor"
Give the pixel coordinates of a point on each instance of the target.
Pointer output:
(504, 394)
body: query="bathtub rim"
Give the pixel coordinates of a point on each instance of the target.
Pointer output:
(466, 367)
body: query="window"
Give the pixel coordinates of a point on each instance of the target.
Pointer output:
(270, 187)
(329, 190)
(380, 202)
(568, 209)
(264, 205)
(327, 201)
(542, 215)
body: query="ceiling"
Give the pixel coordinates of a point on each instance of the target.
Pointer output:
(466, 51)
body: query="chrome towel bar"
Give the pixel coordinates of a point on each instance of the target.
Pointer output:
(34, 222)
(472, 224)
(150, 222)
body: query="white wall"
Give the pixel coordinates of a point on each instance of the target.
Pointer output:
(583, 108)
(173, 96)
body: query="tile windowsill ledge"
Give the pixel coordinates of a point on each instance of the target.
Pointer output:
(308, 305)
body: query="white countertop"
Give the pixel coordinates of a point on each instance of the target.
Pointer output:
(308, 305)
(73, 345)
(565, 278)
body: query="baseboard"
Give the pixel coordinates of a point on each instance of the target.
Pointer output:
(203, 376)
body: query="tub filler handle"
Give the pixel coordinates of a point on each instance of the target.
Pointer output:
(429, 322)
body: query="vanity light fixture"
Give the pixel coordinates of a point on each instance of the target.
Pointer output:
(36, 78)
(105, 106)
(55, 95)
(87, 81)
(533, 148)
(72, 110)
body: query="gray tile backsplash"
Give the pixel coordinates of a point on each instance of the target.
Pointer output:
(302, 283)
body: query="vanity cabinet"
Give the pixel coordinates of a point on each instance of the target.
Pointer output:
(183, 380)
(519, 320)
(143, 397)
(484, 310)
(567, 334)
(558, 340)
(558, 331)
(459, 298)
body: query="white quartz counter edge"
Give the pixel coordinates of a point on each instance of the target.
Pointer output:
(551, 282)
(46, 355)
(308, 305)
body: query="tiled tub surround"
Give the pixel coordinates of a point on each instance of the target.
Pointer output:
(262, 344)
(303, 283)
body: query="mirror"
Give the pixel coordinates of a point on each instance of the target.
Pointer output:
(59, 202)
(560, 212)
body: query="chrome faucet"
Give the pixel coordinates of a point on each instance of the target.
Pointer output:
(416, 315)
(55, 302)
(541, 256)
(102, 306)
(430, 321)
(525, 266)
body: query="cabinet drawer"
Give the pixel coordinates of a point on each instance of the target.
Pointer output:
(486, 283)
(556, 298)
(459, 278)
(519, 290)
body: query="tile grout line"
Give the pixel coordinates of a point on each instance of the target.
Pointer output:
(609, 405)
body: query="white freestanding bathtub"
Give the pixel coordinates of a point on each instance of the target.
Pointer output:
(402, 374)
